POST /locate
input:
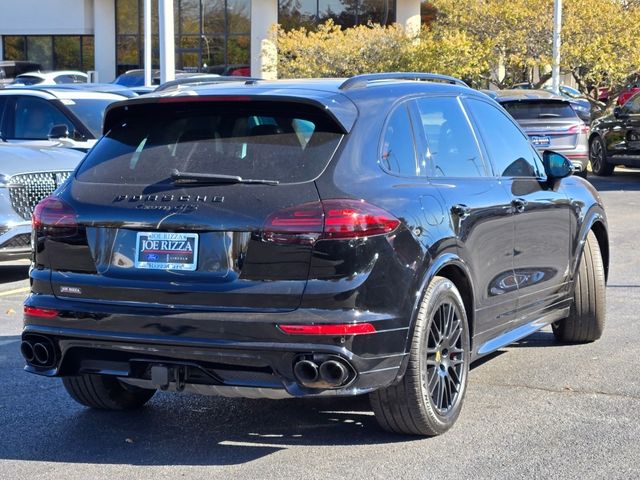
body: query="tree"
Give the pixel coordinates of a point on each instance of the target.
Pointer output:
(600, 43)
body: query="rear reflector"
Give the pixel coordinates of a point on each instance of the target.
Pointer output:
(336, 329)
(328, 219)
(578, 129)
(40, 312)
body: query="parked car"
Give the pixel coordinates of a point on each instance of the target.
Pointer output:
(201, 79)
(626, 94)
(27, 175)
(615, 138)
(9, 69)
(310, 238)
(54, 116)
(551, 122)
(135, 78)
(49, 78)
(584, 108)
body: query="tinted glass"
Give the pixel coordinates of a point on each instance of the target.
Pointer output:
(27, 80)
(3, 102)
(451, 146)
(90, 112)
(398, 154)
(509, 149)
(35, 117)
(632, 106)
(272, 142)
(529, 110)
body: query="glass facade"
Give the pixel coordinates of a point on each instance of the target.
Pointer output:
(346, 13)
(52, 52)
(210, 34)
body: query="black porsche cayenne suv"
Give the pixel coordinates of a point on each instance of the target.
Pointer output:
(310, 238)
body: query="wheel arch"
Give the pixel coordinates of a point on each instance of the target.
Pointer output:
(454, 269)
(596, 223)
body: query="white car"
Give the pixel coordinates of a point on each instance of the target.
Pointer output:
(54, 116)
(50, 78)
(27, 175)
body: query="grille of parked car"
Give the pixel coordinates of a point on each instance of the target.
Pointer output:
(27, 189)
(19, 241)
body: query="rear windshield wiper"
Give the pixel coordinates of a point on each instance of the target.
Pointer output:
(214, 179)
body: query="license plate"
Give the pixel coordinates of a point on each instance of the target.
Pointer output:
(166, 251)
(540, 140)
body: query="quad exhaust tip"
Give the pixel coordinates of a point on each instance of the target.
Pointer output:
(38, 351)
(323, 373)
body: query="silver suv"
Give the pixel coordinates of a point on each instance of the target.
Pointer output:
(551, 122)
(27, 175)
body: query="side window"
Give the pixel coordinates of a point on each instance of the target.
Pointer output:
(398, 154)
(3, 102)
(511, 153)
(451, 146)
(632, 106)
(34, 118)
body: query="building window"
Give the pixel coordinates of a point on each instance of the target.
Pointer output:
(346, 13)
(211, 35)
(52, 52)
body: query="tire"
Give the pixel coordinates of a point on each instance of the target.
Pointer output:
(598, 158)
(105, 392)
(586, 319)
(428, 399)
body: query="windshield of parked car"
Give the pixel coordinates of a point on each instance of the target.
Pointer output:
(285, 143)
(90, 111)
(533, 110)
(27, 80)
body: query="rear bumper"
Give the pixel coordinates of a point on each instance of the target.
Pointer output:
(231, 354)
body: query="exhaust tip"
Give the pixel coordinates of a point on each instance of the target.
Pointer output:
(306, 372)
(27, 351)
(334, 373)
(41, 354)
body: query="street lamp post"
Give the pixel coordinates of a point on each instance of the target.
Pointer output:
(147, 43)
(167, 41)
(557, 27)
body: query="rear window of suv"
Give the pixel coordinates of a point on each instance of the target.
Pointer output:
(289, 143)
(535, 110)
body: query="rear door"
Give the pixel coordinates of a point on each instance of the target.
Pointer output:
(189, 205)
(478, 207)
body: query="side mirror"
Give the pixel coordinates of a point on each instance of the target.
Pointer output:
(617, 112)
(58, 131)
(556, 165)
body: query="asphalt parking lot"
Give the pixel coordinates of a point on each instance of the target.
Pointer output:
(534, 410)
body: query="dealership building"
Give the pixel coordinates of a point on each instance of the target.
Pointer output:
(106, 36)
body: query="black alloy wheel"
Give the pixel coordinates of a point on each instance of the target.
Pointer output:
(445, 357)
(428, 399)
(598, 158)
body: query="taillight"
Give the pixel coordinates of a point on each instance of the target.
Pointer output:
(578, 129)
(328, 219)
(329, 329)
(54, 218)
(40, 312)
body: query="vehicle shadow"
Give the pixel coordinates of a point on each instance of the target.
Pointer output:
(13, 272)
(41, 423)
(622, 179)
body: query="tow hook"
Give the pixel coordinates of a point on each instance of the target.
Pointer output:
(162, 376)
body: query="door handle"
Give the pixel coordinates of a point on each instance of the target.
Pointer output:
(519, 204)
(461, 210)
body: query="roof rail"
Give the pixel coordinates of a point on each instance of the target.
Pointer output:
(359, 81)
